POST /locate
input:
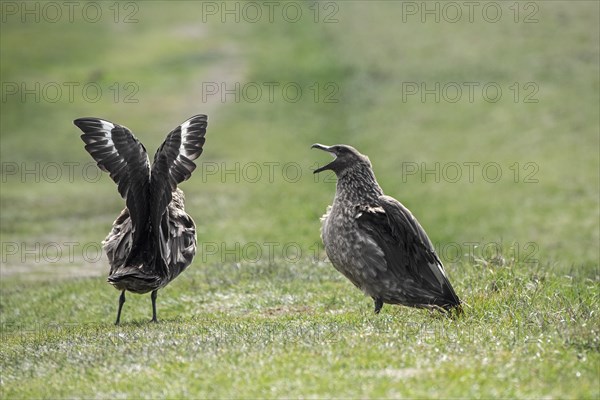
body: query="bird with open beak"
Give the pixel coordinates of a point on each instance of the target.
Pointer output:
(375, 242)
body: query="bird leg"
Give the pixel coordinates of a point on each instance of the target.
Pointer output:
(378, 304)
(121, 302)
(153, 297)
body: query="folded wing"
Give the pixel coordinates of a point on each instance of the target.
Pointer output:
(409, 253)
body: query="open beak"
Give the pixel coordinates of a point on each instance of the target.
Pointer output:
(328, 149)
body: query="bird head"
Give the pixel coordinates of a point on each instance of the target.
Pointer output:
(346, 157)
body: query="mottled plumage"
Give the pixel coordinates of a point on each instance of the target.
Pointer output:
(153, 239)
(375, 242)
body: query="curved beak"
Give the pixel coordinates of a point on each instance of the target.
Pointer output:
(321, 147)
(328, 149)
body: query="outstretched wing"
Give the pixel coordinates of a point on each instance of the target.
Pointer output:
(119, 153)
(173, 161)
(409, 253)
(173, 164)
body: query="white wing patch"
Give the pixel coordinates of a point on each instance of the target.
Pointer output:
(107, 130)
(109, 126)
(186, 136)
(185, 133)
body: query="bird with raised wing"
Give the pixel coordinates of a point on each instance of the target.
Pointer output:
(153, 239)
(375, 242)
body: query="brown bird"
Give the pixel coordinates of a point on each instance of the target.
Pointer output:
(375, 242)
(153, 239)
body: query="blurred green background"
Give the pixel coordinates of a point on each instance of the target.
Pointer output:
(508, 88)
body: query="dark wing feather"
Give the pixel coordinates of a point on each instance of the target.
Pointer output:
(173, 161)
(173, 164)
(409, 253)
(119, 153)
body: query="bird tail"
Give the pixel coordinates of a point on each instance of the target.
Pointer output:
(133, 279)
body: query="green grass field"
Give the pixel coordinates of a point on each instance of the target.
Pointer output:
(486, 127)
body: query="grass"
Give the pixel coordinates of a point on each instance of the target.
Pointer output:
(249, 319)
(270, 331)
